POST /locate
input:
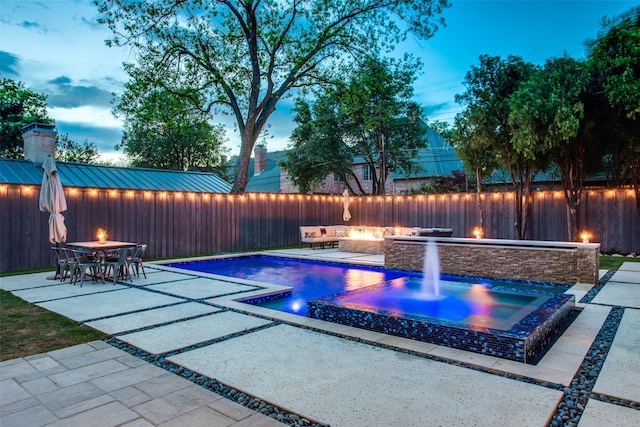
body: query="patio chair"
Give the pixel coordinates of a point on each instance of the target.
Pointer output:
(136, 260)
(71, 263)
(116, 262)
(61, 263)
(86, 261)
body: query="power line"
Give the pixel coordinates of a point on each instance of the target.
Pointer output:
(438, 83)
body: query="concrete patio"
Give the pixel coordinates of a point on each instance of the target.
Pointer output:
(309, 369)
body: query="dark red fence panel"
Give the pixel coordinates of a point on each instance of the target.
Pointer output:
(186, 224)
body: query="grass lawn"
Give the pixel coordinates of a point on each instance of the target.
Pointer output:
(608, 262)
(27, 329)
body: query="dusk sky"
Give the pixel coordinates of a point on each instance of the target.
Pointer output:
(56, 48)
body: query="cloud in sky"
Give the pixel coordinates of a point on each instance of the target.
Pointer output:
(57, 48)
(65, 93)
(9, 64)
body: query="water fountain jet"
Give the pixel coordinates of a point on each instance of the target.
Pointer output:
(430, 288)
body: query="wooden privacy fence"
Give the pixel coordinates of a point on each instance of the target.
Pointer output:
(185, 224)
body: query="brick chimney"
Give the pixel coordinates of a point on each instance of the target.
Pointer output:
(259, 159)
(39, 141)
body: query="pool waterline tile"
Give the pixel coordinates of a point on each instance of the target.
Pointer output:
(526, 340)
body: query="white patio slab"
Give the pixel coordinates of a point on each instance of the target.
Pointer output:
(630, 266)
(189, 332)
(159, 276)
(580, 290)
(306, 251)
(200, 288)
(65, 290)
(329, 254)
(26, 281)
(346, 383)
(130, 322)
(599, 414)
(620, 374)
(621, 294)
(626, 276)
(95, 306)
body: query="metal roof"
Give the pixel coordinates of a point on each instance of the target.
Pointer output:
(437, 159)
(25, 172)
(266, 182)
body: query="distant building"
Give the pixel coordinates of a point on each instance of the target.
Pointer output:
(436, 160)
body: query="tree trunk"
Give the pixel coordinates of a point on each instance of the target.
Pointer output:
(526, 209)
(572, 197)
(635, 176)
(572, 223)
(249, 133)
(241, 177)
(480, 204)
(383, 178)
(572, 177)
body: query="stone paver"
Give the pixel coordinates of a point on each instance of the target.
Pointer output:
(142, 395)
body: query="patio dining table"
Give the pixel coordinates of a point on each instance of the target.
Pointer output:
(101, 249)
(94, 245)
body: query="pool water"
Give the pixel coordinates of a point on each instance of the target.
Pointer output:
(464, 304)
(312, 279)
(309, 279)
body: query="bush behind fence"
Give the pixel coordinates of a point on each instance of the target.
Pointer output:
(186, 224)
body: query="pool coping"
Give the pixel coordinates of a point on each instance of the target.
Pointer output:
(559, 365)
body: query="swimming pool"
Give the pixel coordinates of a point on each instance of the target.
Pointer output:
(309, 279)
(509, 319)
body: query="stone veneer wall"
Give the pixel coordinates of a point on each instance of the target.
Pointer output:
(364, 246)
(562, 262)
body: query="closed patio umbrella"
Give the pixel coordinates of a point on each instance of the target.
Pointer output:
(346, 214)
(52, 200)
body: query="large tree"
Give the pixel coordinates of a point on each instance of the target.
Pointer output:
(317, 149)
(476, 153)
(162, 131)
(547, 114)
(68, 150)
(615, 53)
(246, 55)
(489, 86)
(371, 117)
(19, 107)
